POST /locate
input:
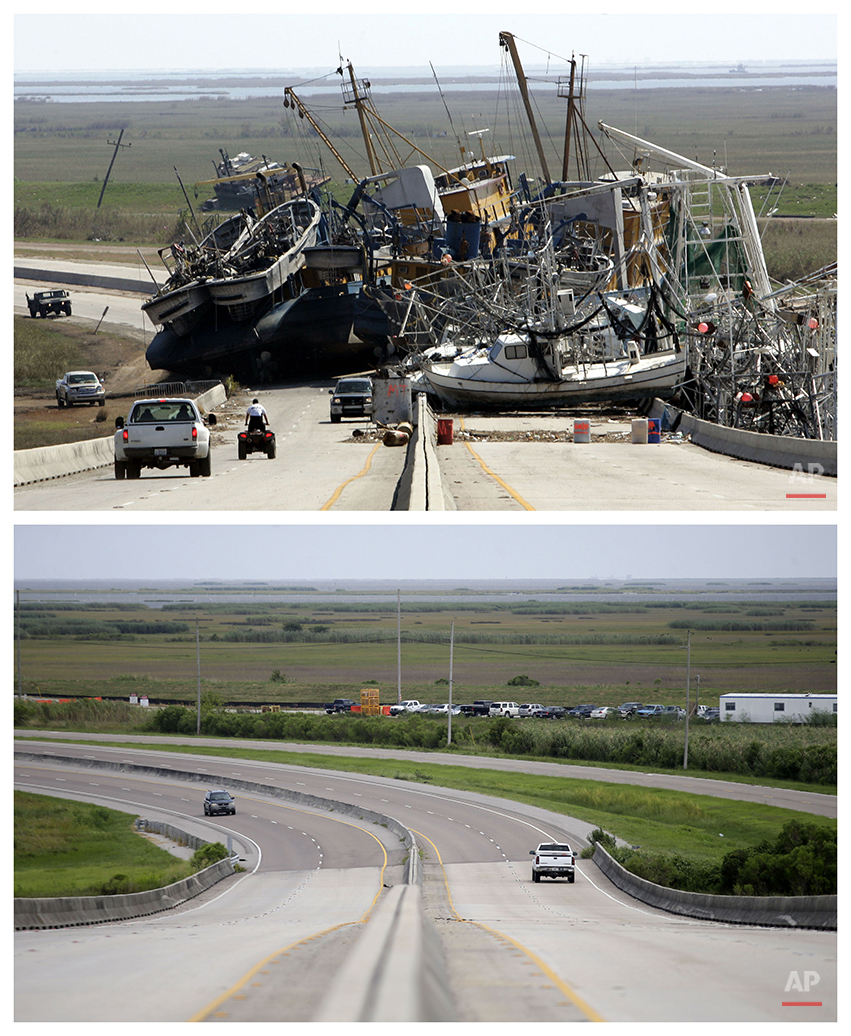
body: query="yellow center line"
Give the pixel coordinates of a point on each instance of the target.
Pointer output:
(523, 503)
(205, 1012)
(574, 998)
(336, 495)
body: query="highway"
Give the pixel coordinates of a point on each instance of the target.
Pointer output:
(270, 943)
(320, 467)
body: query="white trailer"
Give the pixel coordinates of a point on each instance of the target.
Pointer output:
(771, 708)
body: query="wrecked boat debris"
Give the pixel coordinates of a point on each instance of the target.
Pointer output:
(646, 282)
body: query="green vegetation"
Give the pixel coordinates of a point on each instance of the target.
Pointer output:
(805, 754)
(65, 848)
(800, 861)
(596, 651)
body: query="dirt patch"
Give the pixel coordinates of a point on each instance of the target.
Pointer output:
(117, 357)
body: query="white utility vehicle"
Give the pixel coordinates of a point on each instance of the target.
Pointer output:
(163, 433)
(553, 860)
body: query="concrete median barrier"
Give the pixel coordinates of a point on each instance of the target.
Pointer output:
(421, 486)
(395, 971)
(774, 911)
(47, 462)
(809, 456)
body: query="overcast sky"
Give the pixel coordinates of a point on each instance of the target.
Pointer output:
(384, 34)
(405, 551)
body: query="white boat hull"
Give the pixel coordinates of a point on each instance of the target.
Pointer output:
(657, 374)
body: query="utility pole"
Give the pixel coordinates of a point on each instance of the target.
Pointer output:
(398, 648)
(688, 684)
(198, 667)
(117, 144)
(449, 713)
(18, 637)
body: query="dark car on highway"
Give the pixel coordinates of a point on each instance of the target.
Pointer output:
(351, 398)
(218, 801)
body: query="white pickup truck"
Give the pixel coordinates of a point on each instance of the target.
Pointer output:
(163, 433)
(79, 387)
(553, 860)
(404, 706)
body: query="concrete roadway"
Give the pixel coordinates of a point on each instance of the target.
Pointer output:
(317, 467)
(515, 951)
(610, 476)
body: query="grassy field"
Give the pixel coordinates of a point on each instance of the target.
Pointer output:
(43, 350)
(788, 132)
(61, 154)
(590, 652)
(66, 848)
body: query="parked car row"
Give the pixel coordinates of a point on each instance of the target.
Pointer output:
(513, 710)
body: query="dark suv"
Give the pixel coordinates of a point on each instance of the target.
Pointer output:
(351, 398)
(218, 802)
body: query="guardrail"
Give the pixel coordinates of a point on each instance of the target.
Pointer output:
(46, 462)
(175, 388)
(75, 911)
(809, 456)
(773, 911)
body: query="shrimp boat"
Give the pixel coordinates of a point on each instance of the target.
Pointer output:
(264, 257)
(184, 298)
(522, 372)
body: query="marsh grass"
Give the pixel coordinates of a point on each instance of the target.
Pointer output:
(590, 653)
(65, 848)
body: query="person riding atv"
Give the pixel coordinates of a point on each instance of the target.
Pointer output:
(256, 417)
(258, 436)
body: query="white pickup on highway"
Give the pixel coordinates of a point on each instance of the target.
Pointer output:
(553, 860)
(163, 433)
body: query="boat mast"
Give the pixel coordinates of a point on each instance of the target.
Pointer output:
(369, 118)
(291, 100)
(506, 40)
(568, 129)
(374, 164)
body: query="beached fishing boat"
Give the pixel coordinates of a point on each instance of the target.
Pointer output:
(524, 372)
(265, 257)
(184, 298)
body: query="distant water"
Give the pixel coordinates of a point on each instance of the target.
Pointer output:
(242, 84)
(156, 594)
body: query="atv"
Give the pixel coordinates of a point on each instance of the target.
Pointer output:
(256, 440)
